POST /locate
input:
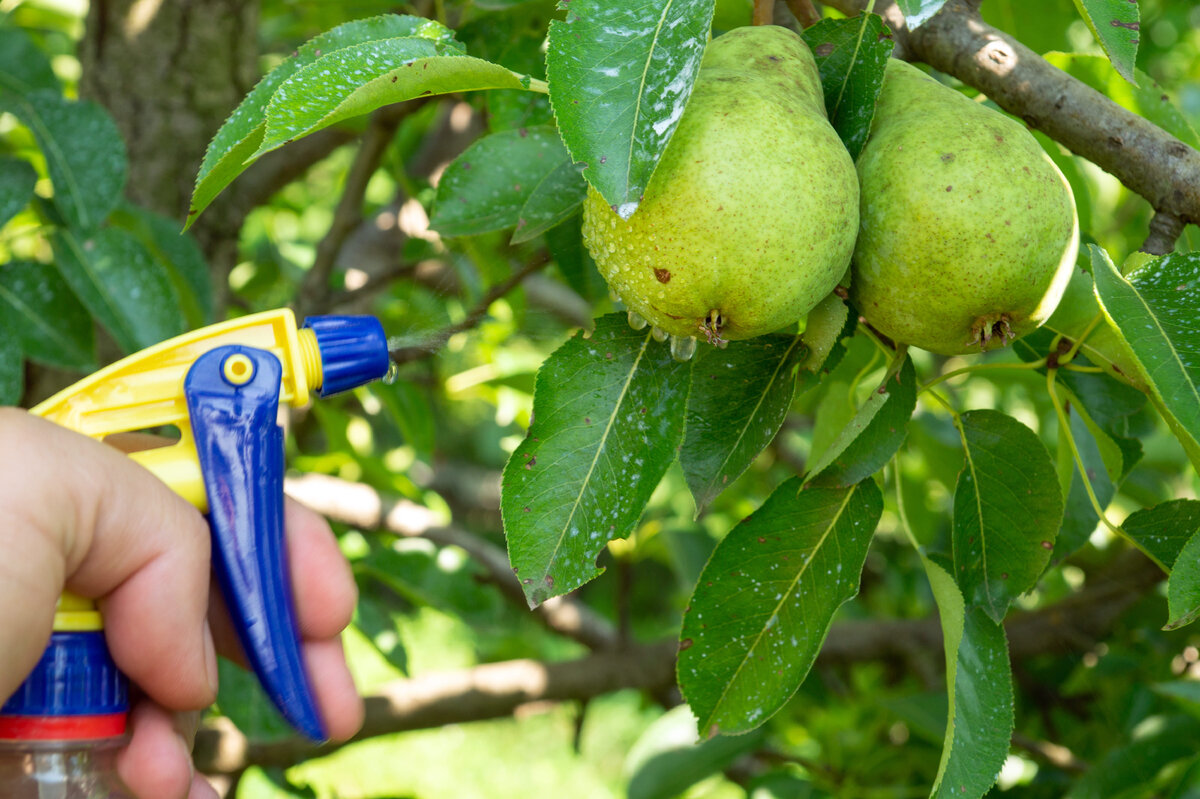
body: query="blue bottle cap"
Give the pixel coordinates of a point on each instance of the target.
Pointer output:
(354, 351)
(75, 692)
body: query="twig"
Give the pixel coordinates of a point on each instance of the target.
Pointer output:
(764, 12)
(1143, 156)
(1052, 753)
(804, 12)
(364, 507)
(1165, 230)
(438, 340)
(315, 290)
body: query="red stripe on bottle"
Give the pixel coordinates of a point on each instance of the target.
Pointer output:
(62, 728)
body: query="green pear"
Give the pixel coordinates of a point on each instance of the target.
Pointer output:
(968, 231)
(750, 218)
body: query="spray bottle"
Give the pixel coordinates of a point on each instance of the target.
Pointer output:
(221, 386)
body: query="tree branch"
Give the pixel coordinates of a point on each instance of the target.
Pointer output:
(804, 12)
(489, 691)
(494, 690)
(416, 352)
(315, 290)
(364, 507)
(1143, 156)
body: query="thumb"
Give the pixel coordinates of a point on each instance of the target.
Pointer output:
(77, 514)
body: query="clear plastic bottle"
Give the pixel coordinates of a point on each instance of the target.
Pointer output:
(60, 732)
(60, 770)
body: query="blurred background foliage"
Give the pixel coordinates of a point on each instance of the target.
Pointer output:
(440, 433)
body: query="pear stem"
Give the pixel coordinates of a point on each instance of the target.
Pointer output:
(804, 12)
(764, 12)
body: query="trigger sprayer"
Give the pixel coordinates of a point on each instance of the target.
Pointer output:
(221, 386)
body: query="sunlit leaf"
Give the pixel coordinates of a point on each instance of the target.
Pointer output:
(240, 136)
(1163, 530)
(740, 396)
(917, 12)
(1007, 511)
(979, 720)
(851, 55)
(668, 759)
(1183, 586)
(874, 434)
(118, 280)
(360, 78)
(1156, 312)
(84, 152)
(620, 74)
(824, 327)
(763, 605)
(1115, 25)
(47, 323)
(608, 417)
(17, 180)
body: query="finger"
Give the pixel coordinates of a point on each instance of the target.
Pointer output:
(339, 701)
(157, 763)
(75, 512)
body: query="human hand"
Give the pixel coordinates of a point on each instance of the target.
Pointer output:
(76, 514)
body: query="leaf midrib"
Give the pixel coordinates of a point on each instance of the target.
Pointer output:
(786, 595)
(637, 108)
(596, 457)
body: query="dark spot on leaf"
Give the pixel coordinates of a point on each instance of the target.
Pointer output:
(1003, 575)
(1116, 23)
(662, 275)
(527, 509)
(823, 49)
(527, 581)
(395, 78)
(604, 159)
(608, 355)
(466, 164)
(549, 581)
(531, 463)
(762, 540)
(1047, 545)
(587, 420)
(516, 187)
(642, 409)
(523, 132)
(686, 643)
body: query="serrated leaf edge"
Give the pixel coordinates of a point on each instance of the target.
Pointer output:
(708, 722)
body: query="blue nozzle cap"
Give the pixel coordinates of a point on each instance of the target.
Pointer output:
(354, 351)
(75, 676)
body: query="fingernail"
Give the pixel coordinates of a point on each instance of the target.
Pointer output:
(210, 659)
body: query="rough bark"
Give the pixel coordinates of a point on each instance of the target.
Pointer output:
(170, 73)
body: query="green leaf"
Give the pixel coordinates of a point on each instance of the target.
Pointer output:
(1144, 97)
(178, 254)
(242, 699)
(47, 322)
(877, 430)
(667, 759)
(851, 55)
(1156, 312)
(1079, 517)
(486, 188)
(239, 137)
(1139, 762)
(24, 68)
(363, 77)
(578, 269)
(763, 605)
(620, 74)
(17, 179)
(373, 621)
(84, 152)
(1008, 507)
(416, 574)
(740, 396)
(979, 721)
(824, 327)
(555, 199)
(1183, 586)
(12, 364)
(608, 417)
(1163, 530)
(917, 12)
(1115, 25)
(118, 280)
